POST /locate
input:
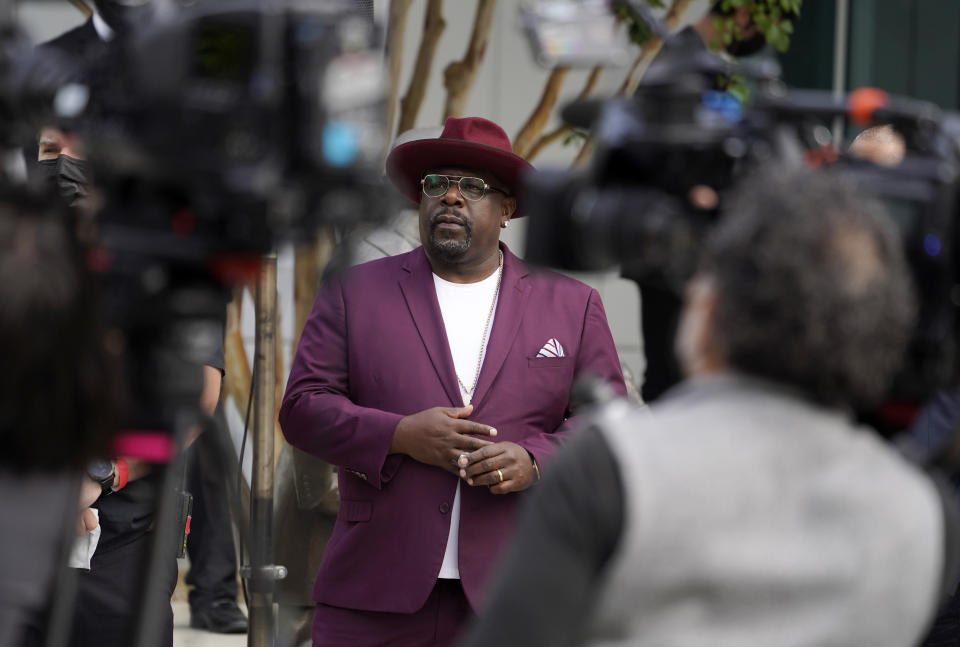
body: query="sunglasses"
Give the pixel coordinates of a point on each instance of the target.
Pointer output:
(471, 188)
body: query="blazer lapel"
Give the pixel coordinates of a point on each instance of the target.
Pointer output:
(506, 322)
(421, 297)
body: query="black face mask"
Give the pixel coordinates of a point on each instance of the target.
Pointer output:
(70, 176)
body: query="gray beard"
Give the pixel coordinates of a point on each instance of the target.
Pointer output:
(447, 250)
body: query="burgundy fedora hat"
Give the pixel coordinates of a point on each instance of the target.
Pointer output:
(468, 142)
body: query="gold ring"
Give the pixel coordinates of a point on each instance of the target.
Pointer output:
(500, 473)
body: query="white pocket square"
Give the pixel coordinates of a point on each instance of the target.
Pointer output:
(551, 349)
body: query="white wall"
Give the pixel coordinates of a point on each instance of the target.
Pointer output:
(41, 21)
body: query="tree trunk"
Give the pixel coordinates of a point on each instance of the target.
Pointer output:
(393, 56)
(433, 27)
(523, 142)
(237, 368)
(309, 263)
(458, 77)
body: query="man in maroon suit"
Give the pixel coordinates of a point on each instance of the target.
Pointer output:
(438, 381)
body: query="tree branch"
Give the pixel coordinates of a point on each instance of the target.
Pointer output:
(545, 140)
(591, 83)
(541, 114)
(640, 66)
(459, 75)
(393, 56)
(82, 7)
(433, 27)
(652, 47)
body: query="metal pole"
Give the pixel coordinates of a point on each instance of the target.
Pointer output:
(841, 21)
(262, 573)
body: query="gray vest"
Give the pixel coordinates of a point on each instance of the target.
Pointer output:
(755, 518)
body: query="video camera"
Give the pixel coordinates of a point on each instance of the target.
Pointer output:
(220, 128)
(262, 120)
(665, 158)
(213, 133)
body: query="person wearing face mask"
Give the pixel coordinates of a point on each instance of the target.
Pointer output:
(109, 589)
(83, 46)
(87, 43)
(61, 159)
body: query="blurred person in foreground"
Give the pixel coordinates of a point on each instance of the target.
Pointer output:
(212, 577)
(58, 404)
(747, 507)
(932, 437)
(123, 491)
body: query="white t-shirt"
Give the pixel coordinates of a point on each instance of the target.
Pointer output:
(465, 308)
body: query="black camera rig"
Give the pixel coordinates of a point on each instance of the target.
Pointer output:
(636, 205)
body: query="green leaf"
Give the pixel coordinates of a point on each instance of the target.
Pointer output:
(767, 15)
(773, 34)
(575, 136)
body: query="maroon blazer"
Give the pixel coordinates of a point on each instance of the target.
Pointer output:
(374, 350)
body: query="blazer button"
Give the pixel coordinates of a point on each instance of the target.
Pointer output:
(444, 508)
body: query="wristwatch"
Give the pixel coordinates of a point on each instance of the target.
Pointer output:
(102, 472)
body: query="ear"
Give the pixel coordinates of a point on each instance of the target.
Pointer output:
(696, 345)
(508, 208)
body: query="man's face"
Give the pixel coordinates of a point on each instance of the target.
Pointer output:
(53, 142)
(455, 230)
(60, 157)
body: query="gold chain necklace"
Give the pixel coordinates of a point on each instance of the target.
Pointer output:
(483, 339)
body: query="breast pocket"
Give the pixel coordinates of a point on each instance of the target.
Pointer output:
(546, 389)
(551, 373)
(550, 362)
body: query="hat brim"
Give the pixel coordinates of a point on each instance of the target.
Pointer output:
(407, 163)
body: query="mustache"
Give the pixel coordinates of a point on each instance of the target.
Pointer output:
(448, 214)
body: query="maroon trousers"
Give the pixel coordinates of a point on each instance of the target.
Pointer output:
(438, 623)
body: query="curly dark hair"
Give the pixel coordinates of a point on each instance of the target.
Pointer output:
(813, 289)
(58, 386)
